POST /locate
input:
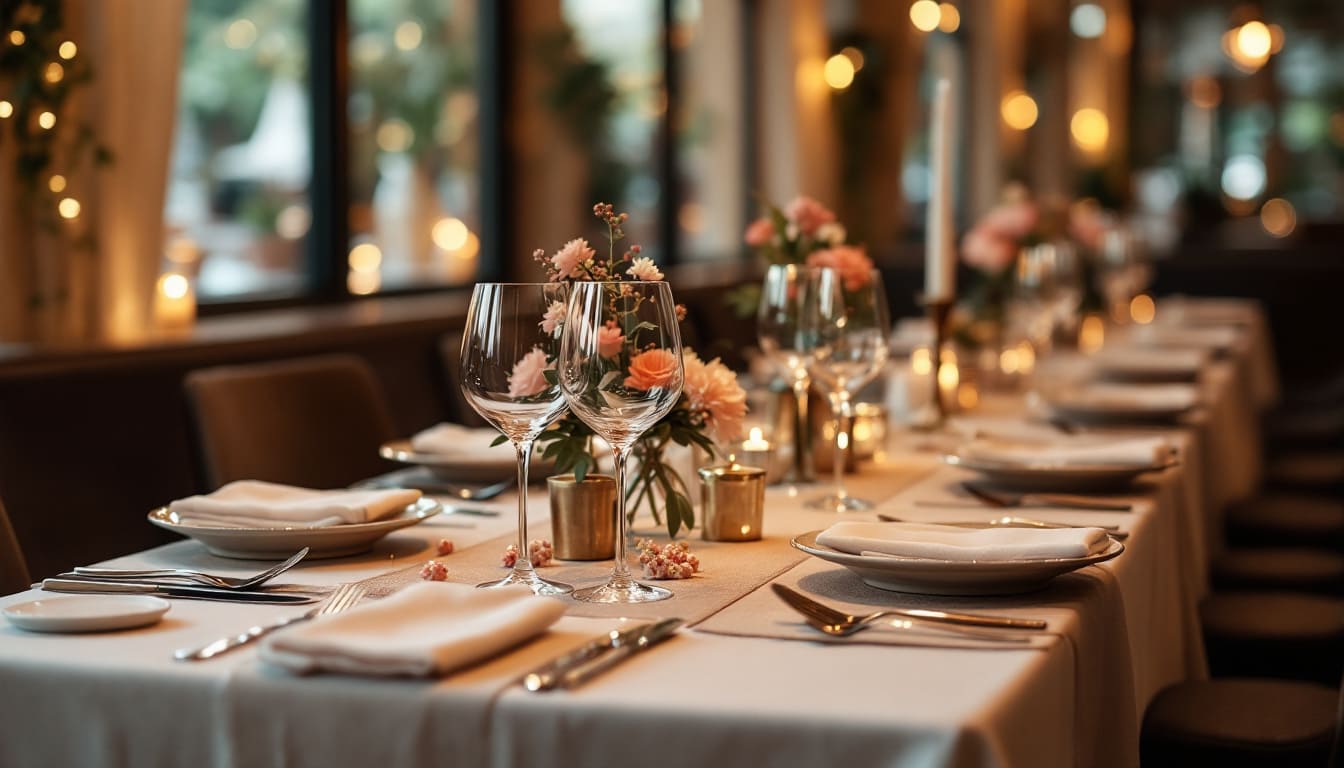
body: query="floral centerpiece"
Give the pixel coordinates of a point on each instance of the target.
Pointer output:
(802, 232)
(711, 407)
(990, 249)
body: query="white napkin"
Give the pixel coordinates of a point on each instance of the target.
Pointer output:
(257, 504)
(1151, 359)
(427, 628)
(456, 440)
(1087, 451)
(1138, 396)
(1213, 337)
(946, 542)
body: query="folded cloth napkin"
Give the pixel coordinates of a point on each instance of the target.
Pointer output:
(1085, 451)
(1151, 359)
(257, 504)
(1138, 396)
(427, 628)
(1213, 337)
(457, 440)
(946, 542)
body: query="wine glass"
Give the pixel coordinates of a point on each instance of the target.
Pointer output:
(777, 333)
(1035, 295)
(506, 356)
(621, 371)
(843, 334)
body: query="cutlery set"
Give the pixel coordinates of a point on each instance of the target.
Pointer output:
(344, 598)
(598, 655)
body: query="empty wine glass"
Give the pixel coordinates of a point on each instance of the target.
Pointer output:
(621, 371)
(843, 333)
(777, 333)
(506, 356)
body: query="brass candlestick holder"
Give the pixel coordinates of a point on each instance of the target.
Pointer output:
(934, 416)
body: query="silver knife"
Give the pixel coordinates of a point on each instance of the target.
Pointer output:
(547, 676)
(646, 639)
(165, 590)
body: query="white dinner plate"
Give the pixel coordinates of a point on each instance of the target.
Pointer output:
(280, 543)
(1082, 407)
(487, 467)
(928, 576)
(90, 613)
(1055, 476)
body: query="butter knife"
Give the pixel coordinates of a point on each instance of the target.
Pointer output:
(198, 593)
(547, 676)
(649, 637)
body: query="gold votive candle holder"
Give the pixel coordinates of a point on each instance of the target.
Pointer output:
(732, 502)
(868, 431)
(583, 516)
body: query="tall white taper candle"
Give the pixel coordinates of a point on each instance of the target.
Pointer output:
(940, 255)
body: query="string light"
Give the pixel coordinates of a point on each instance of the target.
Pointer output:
(1019, 110)
(67, 50)
(54, 72)
(925, 15)
(17, 37)
(68, 208)
(839, 72)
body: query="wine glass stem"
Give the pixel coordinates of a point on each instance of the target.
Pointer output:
(620, 571)
(802, 442)
(522, 565)
(840, 404)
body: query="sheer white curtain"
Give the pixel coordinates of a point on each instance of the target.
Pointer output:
(49, 289)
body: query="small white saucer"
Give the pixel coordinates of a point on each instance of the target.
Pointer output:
(87, 613)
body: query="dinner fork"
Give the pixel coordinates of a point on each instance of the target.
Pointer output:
(999, 499)
(345, 597)
(840, 624)
(208, 579)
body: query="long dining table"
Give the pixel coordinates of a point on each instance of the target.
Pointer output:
(746, 682)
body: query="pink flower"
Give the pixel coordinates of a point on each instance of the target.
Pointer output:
(609, 340)
(652, 368)
(643, 268)
(554, 317)
(1012, 221)
(529, 374)
(850, 261)
(987, 250)
(568, 261)
(711, 389)
(808, 214)
(759, 232)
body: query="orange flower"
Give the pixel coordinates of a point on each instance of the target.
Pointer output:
(653, 368)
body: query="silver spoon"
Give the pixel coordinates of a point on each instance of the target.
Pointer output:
(208, 579)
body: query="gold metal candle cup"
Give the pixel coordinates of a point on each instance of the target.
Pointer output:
(732, 502)
(868, 432)
(583, 517)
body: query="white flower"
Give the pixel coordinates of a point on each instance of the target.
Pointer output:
(832, 233)
(643, 268)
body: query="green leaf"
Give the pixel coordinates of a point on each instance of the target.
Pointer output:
(499, 441)
(551, 375)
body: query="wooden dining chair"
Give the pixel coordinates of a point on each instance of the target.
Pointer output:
(315, 422)
(13, 566)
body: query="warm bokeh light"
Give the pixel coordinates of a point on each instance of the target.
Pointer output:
(1275, 38)
(1019, 110)
(293, 221)
(1204, 91)
(948, 376)
(1278, 217)
(1253, 40)
(949, 18)
(240, 34)
(1091, 335)
(839, 72)
(925, 15)
(395, 135)
(449, 233)
(968, 396)
(17, 37)
(1090, 128)
(1026, 358)
(921, 362)
(67, 50)
(408, 36)
(6, 109)
(854, 55)
(68, 208)
(56, 183)
(173, 285)
(365, 257)
(54, 72)
(363, 283)
(1142, 310)
(691, 217)
(47, 120)
(1008, 361)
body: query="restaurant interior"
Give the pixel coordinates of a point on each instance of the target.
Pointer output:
(1009, 319)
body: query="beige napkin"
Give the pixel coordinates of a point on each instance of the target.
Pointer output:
(456, 440)
(1089, 451)
(947, 542)
(427, 628)
(1151, 360)
(257, 504)
(1140, 396)
(1211, 337)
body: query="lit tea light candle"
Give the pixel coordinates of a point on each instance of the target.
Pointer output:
(756, 451)
(869, 429)
(174, 303)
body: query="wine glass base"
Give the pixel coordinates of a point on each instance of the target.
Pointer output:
(622, 592)
(538, 585)
(837, 503)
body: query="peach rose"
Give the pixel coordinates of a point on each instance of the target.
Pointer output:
(987, 251)
(850, 261)
(808, 214)
(711, 389)
(653, 368)
(759, 232)
(529, 374)
(609, 340)
(554, 318)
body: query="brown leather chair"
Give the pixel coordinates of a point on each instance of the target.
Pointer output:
(13, 567)
(313, 422)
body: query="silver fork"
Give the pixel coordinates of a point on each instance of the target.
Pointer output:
(344, 598)
(208, 579)
(840, 624)
(1008, 521)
